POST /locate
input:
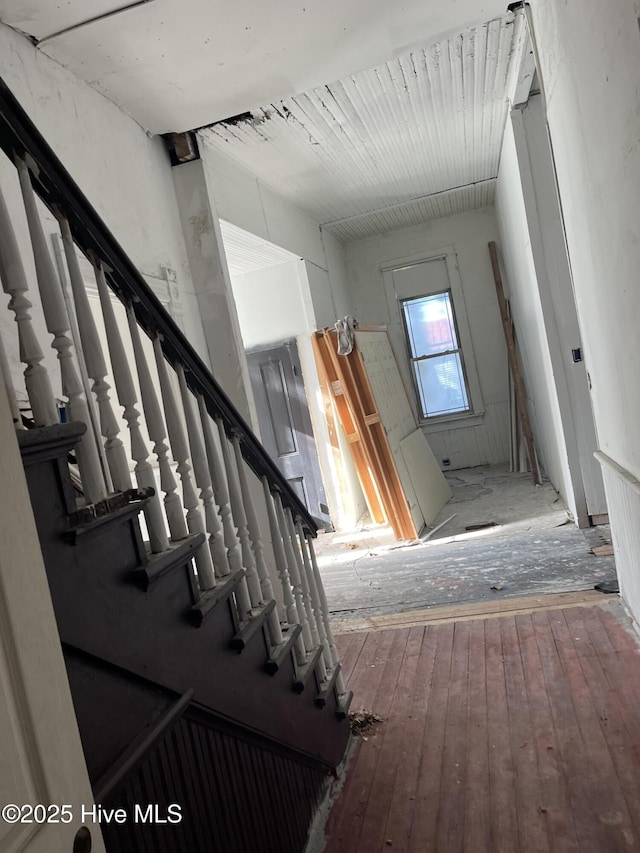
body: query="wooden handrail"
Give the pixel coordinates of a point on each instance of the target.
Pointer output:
(59, 192)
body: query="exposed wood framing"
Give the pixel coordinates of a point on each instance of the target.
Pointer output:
(365, 433)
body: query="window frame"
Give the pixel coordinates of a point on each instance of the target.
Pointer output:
(436, 423)
(413, 359)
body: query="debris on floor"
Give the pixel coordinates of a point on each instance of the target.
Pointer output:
(363, 721)
(497, 586)
(483, 525)
(439, 527)
(608, 586)
(603, 550)
(408, 543)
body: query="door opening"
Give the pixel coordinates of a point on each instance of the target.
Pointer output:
(285, 423)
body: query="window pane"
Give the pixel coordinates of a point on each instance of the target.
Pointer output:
(430, 324)
(441, 385)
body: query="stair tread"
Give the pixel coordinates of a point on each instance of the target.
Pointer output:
(160, 564)
(252, 626)
(279, 652)
(85, 528)
(344, 702)
(327, 686)
(305, 671)
(209, 600)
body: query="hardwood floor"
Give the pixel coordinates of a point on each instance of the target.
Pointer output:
(514, 734)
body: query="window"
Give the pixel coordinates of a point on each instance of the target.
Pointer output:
(435, 353)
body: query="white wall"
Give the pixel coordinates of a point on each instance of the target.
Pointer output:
(521, 287)
(486, 440)
(546, 229)
(588, 55)
(125, 174)
(249, 203)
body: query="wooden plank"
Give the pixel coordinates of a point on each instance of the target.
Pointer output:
(402, 806)
(511, 734)
(581, 775)
(378, 368)
(477, 610)
(356, 404)
(427, 796)
(607, 798)
(350, 657)
(618, 730)
(328, 380)
(453, 781)
(477, 826)
(502, 774)
(389, 663)
(530, 805)
(515, 366)
(393, 746)
(388, 481)
(603, 550)
(556, 800)
(364, 680)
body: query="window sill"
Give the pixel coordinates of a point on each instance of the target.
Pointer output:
(468, 419)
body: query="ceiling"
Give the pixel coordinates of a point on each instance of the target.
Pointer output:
(415, 138)
(174, 65)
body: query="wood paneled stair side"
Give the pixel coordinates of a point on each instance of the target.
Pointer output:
(142, 614)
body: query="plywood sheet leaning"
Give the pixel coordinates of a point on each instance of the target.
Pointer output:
(399, 421)
(431, 489)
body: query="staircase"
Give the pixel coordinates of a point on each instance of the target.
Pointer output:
(191, 610)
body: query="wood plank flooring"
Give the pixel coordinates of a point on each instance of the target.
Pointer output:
(514, 734)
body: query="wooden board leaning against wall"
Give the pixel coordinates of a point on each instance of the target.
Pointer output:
(400, 478)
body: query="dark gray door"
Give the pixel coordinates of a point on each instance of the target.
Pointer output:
(285, 423)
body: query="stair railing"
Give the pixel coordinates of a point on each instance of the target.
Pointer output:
(165, 393)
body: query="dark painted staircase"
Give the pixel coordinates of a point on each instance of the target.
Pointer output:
(250, 730)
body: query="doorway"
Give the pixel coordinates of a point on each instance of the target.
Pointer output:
(285, 423)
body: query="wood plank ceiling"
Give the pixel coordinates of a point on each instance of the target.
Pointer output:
(413, 139)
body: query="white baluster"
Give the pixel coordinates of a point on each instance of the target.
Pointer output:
(247, 540)
(7, 381)
(180, 451)
(200, 462)
(57, 321)
(294, 574)
(315, 597)
(128, 399)
(266, 590)
(96, 366)
(14, 282)
(325, 614)
(305, 589)
(245, 604)
(157, 434)
(232, 557)
(291, 611)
